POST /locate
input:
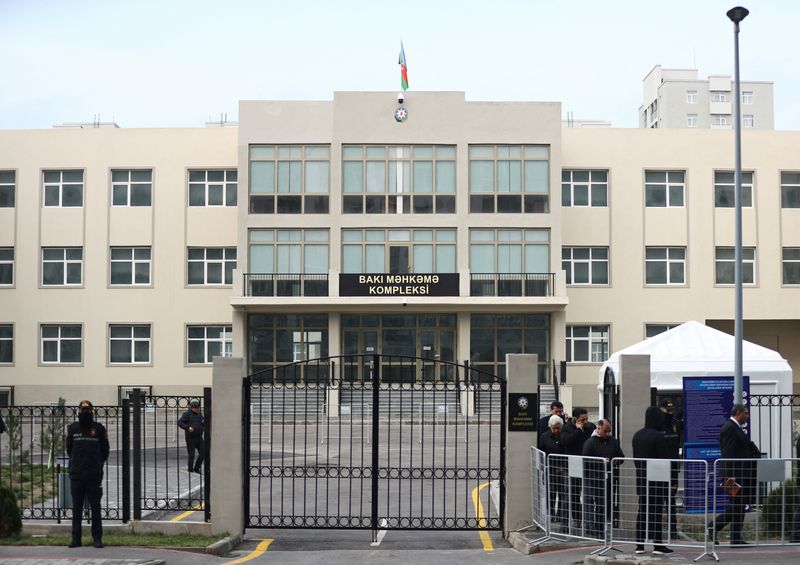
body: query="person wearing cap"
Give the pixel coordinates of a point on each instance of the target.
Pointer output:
(87, 447)
(192, 423)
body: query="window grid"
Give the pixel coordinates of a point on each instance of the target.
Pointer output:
(587, 344)
(585, 265)
(6, 266)
(509, 251)
(212, 187)
(130, 266)
(131, 187)
(7, 344)
(748, 97)
(691, 120)
(492, 336)
(210, 265)
(62, 189)
(652, 330)
(8, 187)
(725, 189)
(509, 179)
(725, 265)
(129, 344)
(203, 343)
(584, 188)
(748, 121)
(289, 179)
(691, 97)
(790, 189)
(62, 266)
(791, 265)
(60, 343)
(664, 189)
(369, 251)
(719, 96)
(288, 251)
(665, 265)
(720, 119)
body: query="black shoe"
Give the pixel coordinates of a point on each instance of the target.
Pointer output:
(639, 550)
(74, 543)
(711, 536)
(662, 550)
(739, 542)
(190, 470)
(98, 544)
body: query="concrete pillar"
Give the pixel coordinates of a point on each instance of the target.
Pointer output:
(227, 490)
(240, 341)
(522, 378)
(467, 393)
(334, 350)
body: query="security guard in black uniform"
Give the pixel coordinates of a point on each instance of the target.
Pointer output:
(193, 424)
(87, 447)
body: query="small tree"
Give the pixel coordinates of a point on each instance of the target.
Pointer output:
(10, 520)
(15, 453)
(52, 440)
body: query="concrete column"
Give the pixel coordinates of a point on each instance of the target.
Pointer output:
(240, 341)
(227, 490)
(467, 394)
(334, 350)
(522, 378)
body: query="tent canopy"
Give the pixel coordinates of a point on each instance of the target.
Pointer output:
(694, 349)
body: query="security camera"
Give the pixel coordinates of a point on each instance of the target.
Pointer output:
(400, 97)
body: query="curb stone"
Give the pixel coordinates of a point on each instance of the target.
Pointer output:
(225, 545)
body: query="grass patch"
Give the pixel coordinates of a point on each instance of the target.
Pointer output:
(124, 540)
(32, 484)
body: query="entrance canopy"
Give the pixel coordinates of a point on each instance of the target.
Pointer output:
(694, 349)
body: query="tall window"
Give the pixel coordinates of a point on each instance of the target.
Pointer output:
(664, 189)
(790, 190)
(6, 266)
(399, 251)
(131, 187)
(130, 265)
(719, 96)
(492, 336)
(289, 179)
(587, 343)
(652, 330)
(791, 265)
(203, 343)
(8, 188)
(747, 97)
(584, 188)
(129, 344)
(215, 187)
(509, 179)
(585, 265)
(691, 97)
(509, 251)
(288, 251)
(279, 339)
(665, 265)
(6, 343)
(62, 266)
(725, 189)
(63, 189)
(748, 121)
(211, 265)
(60, 343)
(720, 120)
(399, 179)
(724, 265)
(691, 120)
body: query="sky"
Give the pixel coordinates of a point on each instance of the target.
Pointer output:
(180, 63)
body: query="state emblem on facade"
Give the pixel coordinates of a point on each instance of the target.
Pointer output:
(400, 114)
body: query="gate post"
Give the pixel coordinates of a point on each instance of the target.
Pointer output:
(126, 461)
(227, 473)
(208, 416)
(522, 381)
(137, 453)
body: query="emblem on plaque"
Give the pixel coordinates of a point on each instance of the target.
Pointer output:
(400, 114)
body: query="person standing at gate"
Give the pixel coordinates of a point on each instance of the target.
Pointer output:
(601, 444)
(557, 470)
(651, 442)
(575, 434)
(193, 423)
(672, 427)
(556, 409)
(87, 447)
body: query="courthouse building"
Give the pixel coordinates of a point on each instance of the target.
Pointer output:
(446, 229)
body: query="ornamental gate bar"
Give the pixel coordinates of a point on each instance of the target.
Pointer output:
(374, 442)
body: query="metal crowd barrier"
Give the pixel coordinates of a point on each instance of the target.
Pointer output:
(539, 501)
(578, 497)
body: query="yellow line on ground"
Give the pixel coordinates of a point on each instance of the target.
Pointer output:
(257, 552)
(476, 502)
(187, 513)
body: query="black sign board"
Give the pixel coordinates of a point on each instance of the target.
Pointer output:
(387, 284)
(523, 411)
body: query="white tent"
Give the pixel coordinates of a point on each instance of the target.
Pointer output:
(694, 349)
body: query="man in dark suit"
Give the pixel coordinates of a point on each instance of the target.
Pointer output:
(735, 445)
(556, 409)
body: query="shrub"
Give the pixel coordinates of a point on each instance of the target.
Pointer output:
(10, 520)
(771, 519)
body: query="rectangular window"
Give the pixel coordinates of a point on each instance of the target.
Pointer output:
(60, 343)
(724, 265)
(289, 179)
(747, 97)
(492, 336)
(399, 251)
(665, 265)
(691, 97)
(725, 189)
(790, 190)
(6, 266)
(210, 265)
(130, 265)
(131, 187)
(652, 330)
(399, 179)
(584, 188)
(129, 344)
(691, 120)
(62, 189)
(289, 251)
(280, 339)
(748, 121)
(509, 179)
(791, 265)
(62, 266)
(585, 265)
(509, 251)
(720, 120)
(212, 187)
(588, 344)
(664, 189)
(8, 187)
(203, 343)
(6, 343)
(719, 96)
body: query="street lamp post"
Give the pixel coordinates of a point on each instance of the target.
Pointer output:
(736, 15)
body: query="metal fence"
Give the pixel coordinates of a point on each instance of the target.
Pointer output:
(579, 497)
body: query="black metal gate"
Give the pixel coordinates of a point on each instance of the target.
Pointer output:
(374, 442)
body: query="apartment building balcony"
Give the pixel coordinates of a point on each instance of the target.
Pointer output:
(285, 284)
(512, 284)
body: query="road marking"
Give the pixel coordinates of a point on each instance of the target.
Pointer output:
(381, 534)
(476, 502)
(257, 552)
(187, 513)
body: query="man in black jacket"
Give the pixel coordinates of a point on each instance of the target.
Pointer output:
(734, 444)
(673, 428)
(597, 476)
(193, 423)
(87, 447)
(575, 434)
(651, 442)
(556, 409)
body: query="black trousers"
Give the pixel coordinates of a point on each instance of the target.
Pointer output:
(733, 515)
(651, 512)
(195, 443)
(91, 491)
(575, 499)
(597, 499)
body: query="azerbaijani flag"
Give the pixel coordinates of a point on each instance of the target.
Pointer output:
(403, 68)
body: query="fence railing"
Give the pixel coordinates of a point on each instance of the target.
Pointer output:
(285, 284)
(512, 284)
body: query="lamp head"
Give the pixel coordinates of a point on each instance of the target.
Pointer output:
(737, 14)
